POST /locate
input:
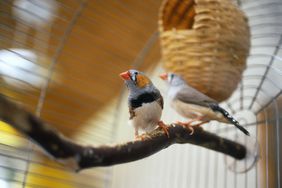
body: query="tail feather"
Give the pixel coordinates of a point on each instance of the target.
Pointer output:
(217, 108)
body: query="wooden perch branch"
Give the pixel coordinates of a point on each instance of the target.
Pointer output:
(79, 157)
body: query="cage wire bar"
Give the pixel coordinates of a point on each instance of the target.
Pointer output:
(51, 69)
(242, 100)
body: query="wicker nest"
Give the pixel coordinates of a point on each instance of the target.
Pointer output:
(205, 41)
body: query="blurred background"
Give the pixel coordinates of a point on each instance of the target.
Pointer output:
(61, 60)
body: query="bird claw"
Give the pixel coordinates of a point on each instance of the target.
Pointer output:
(187, 126)
(142, 137)
(163, 127)
(191, 129)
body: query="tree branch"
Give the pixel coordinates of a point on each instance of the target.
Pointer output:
(79, 157)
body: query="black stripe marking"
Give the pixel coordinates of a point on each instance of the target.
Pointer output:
(143, 98)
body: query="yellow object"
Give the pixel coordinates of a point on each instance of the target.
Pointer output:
(49, 177)
(206, 42)
(10, 137)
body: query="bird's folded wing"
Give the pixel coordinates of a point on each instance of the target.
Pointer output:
(160, 101)
(192, 96)
(131, 113)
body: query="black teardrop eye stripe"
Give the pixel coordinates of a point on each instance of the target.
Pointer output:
(133, 78)
(143, 98)
(171, 76)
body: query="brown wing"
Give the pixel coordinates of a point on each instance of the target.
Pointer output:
(160, 100)
(131, 113)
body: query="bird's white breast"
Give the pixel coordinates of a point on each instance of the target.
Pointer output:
(147, 116)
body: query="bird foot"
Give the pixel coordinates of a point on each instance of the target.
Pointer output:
(142, 137)
(187, 126)
(163, 127)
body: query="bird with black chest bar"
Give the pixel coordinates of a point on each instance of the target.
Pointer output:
(145, 102)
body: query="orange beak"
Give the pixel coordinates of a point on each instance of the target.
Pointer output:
(164, 76)
(125, 75)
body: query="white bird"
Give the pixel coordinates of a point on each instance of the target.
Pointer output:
(191, 103)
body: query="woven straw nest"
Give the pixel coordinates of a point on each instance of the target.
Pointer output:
(205, 41)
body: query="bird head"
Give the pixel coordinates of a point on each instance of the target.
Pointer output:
(135, 80)
(172, 79)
